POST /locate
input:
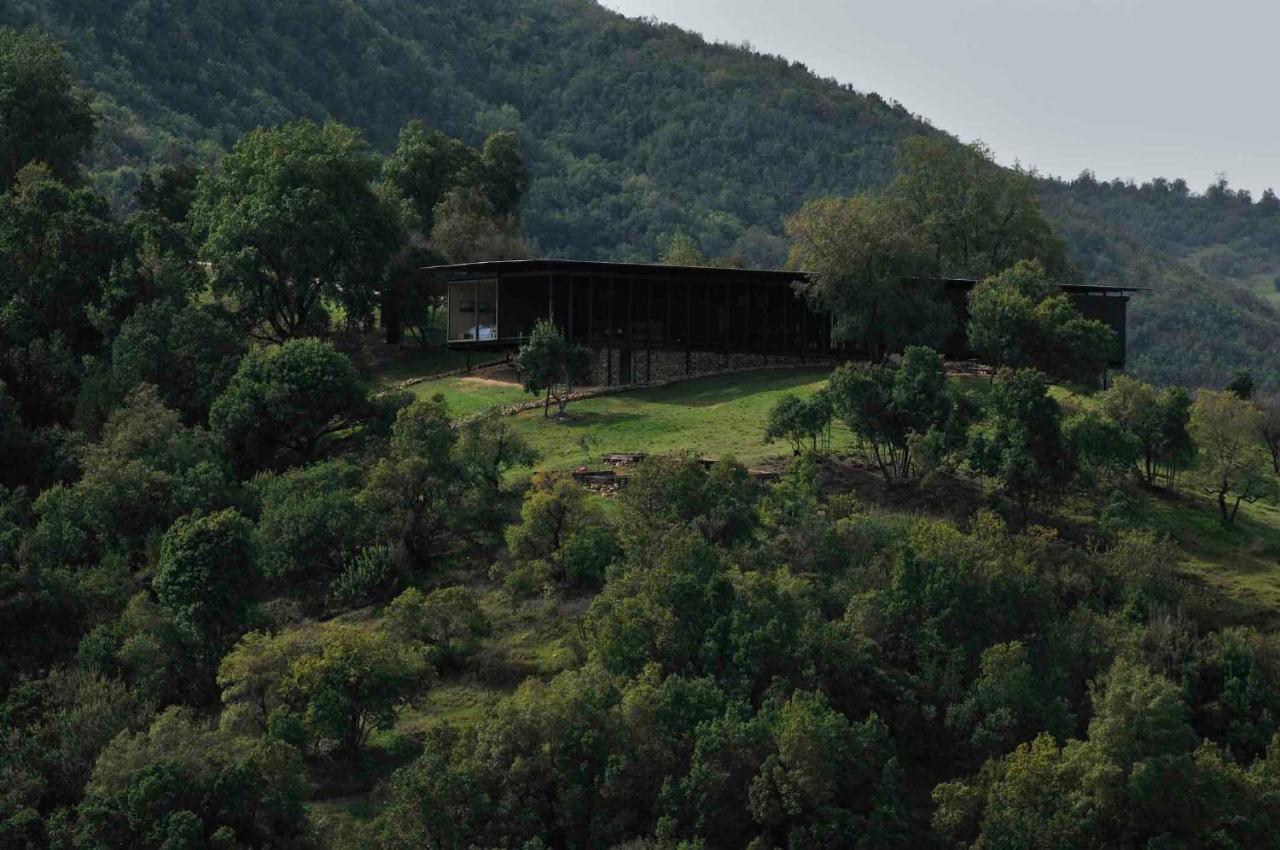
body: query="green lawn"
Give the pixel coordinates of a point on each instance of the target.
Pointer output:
(467, 396)
(716, 416)
(1238, 568)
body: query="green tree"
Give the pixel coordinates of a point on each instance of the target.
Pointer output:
(549, 363)
(800, 421)
(562, 538)
(348, 683)
(1233, 468)
(862, 254)
(43, 118)
(205, 575)
(1019, 440)
(682, 250)
(190, 353)
(893, 408)
(449, 622)
(1270, 430)
(182, 783)
(827, 783)
(416, 492)
(1157, 420)
(57, 246)
(1004, 326)
(291, 221)
(287, 405)
(1114, 787)
(468, 229)
(425, 165)
(309, 525)
(1103, 449)
(977, 219)
(1242, 385)
(1016, 320)
(145, 471)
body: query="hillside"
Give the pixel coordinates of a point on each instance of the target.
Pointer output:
(634, 130)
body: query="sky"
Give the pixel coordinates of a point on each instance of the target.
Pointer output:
(1133, 89)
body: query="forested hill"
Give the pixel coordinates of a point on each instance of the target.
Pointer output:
(634, 130)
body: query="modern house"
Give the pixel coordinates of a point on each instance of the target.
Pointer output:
(647, 321)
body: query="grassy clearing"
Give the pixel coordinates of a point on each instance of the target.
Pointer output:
(1238, 567)
(467, 396)
(717, 416)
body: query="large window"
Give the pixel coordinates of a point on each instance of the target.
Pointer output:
(473, 311)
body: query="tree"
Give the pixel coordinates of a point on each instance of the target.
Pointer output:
(416, 492)
(425, 165)
(310, 524)
(1018, 319)
(549, 363)
(502, 175)
(1019, 440)
(978, 219)
(449, 622)
(347, 683)
(204, 576)
(288, 405)
(468, 229)
(861, 254)
(800, 420)
(1270, 430)
(1114, 787)
(826, 782)
(291, 221)
(57, 247)
(1241, 384)
(893, 409)
(562, 538)
(1004, 328)
(182, 783)
(42, 117)
(189, 352)
(1156, 419)
(683, 250)
(1232, 465)
(145, 471)
(487, 448)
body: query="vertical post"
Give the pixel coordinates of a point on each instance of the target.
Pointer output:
(551, 298)
(608, 334)
(688, 330)
(569, 331)
(631, 327)
(728, 321)
(648, 338)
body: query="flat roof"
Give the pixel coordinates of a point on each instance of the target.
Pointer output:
(495, 267)
(492, 267)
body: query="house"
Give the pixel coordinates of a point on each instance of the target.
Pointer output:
(644, 322)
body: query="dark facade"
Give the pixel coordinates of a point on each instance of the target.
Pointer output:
(636, 310)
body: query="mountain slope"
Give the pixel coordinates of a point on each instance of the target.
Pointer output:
(634, 130)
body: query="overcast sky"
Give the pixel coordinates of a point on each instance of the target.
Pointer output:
(1128, 88)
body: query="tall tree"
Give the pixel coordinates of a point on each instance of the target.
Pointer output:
(1232, 467)
(291, 222)
(861, 253)
(287, 405)
(977, 218)
(549, 363)
(42, 117)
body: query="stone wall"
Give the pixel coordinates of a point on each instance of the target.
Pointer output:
(663, 366)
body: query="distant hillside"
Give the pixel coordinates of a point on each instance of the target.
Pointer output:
(634, 131)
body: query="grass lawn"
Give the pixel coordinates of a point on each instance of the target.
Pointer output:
(1238, 567)
(716, 416)
(467, 396)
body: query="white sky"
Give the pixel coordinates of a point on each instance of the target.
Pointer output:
(1128, 88)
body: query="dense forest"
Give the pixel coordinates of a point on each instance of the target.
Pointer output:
(257, 593)
(634, 131)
